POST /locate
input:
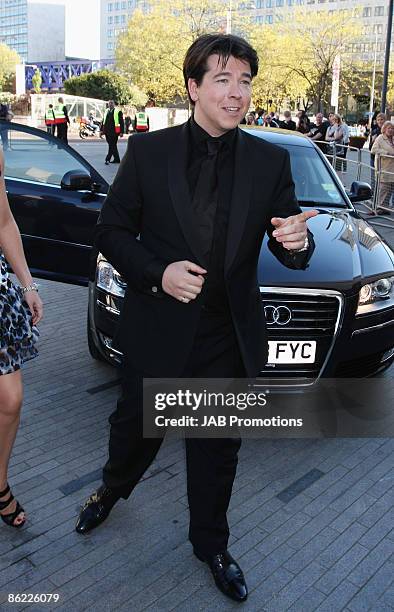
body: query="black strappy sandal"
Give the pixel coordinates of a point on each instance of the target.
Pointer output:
(10, 518)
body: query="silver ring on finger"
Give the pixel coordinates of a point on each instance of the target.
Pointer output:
(184, 299)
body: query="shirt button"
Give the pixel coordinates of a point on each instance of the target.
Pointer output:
(154, 289)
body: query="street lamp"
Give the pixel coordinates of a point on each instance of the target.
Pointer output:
(387, 55)
(371, 99)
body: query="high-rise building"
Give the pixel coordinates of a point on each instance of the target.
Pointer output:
(34, 29)
(113, 20)
(371, 14)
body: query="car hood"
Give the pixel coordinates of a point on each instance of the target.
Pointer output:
(347, 250)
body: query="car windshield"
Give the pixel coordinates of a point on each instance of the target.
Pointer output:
(313, 181)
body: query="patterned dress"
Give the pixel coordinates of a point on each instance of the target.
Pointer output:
(17, 335)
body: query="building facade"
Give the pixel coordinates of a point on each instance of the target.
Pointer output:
(33, 29)
(371, 14)
(113, 21)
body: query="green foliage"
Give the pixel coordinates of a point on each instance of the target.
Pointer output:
(105, 85)
(150, 53)
(8, 60)
(36, 81)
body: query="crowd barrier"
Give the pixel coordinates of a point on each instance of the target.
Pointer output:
(354, 164)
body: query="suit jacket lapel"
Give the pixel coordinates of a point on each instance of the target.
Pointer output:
(240, 200)
(180, 194)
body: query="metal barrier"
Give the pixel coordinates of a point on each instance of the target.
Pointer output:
(357, 165)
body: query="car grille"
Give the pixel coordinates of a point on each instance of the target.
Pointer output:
(364, 366)
(315, 315)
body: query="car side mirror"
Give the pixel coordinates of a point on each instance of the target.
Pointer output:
(76, 180)
(359, 192)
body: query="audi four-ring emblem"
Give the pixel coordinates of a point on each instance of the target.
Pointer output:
(281, 315)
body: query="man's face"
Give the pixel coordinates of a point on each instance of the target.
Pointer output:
(223, 96)
(331, 118)
(111, 104)
(319, 119)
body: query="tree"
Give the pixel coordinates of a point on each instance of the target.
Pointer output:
(390, 92)
(36, 81)
(297, 60)
(8, 61)
(276, 80)
(150, 53)
(105, 85)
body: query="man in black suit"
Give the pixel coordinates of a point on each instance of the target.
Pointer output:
(192, 306)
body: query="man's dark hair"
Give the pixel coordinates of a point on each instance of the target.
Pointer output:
(223, 45)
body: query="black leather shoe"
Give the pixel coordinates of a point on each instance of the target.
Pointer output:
(106, 162)
(227, 574)
(96, 509)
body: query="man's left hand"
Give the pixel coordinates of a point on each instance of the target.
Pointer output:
(292, 231)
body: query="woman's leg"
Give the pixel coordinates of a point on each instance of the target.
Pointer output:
(384, 194)
(11, 394)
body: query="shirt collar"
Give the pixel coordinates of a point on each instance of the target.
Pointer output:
(200, 136)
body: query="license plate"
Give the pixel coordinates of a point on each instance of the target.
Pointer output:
(291, 351)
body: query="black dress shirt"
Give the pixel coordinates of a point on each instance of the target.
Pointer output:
(214, 293)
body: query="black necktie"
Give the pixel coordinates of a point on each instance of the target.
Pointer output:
(205, 195)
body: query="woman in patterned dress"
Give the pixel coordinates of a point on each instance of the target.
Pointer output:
(20, 311)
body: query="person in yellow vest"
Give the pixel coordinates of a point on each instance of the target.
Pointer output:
(113, 127)
(61, 120)
(141, 122)
(50, 120)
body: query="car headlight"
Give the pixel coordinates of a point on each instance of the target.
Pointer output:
(376, 295)
(109, 279)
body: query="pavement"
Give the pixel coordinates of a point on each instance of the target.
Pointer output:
(326, 546)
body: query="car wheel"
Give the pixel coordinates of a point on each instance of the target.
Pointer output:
(93, 350)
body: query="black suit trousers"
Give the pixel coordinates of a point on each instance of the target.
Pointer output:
(112, 140)
(211, 463)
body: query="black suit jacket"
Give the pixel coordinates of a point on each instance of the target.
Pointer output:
(147, 219)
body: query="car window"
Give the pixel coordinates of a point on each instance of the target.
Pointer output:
(35, 158)
(313, 181)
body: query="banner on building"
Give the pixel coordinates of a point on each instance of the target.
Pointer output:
(336, 67)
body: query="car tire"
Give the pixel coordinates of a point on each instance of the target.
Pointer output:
(93, 350)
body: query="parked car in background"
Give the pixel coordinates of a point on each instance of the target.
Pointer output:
(336, 318)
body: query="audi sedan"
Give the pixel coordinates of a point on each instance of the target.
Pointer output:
(336, 318)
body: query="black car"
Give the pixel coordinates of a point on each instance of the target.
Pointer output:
(336, 318)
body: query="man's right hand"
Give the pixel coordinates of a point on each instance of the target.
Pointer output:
(183, 280)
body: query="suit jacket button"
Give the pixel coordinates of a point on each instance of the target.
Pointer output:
(154, 289)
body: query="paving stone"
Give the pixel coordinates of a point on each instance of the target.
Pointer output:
(371, 563)
(328, 548)
(366, 598)
(342, 568)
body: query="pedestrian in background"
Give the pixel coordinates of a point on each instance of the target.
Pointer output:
(335, 138)
(62, 120)
(318, 132)
(127, 124)
(20, 310)
(304, 125)
(141, 122)
(112, 127)
(287, 123)
(384, 148)
(50, 121)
